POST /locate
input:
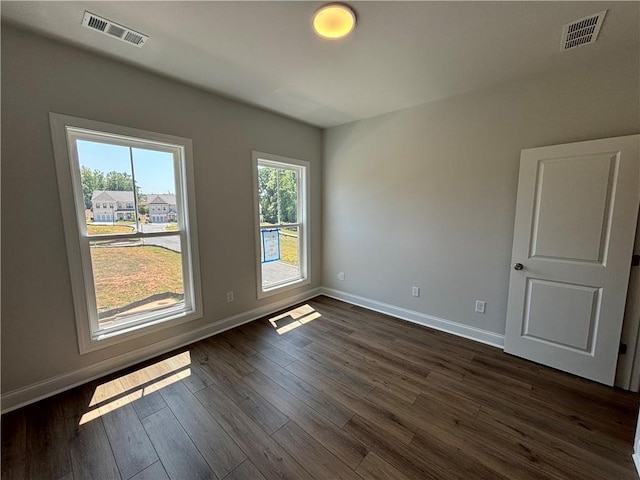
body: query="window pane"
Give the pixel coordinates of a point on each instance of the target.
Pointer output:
(136, 277)
(280, 253)
(107, 188)
(156, 182)
(278, 195)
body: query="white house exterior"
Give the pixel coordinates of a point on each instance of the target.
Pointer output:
(110, 206)
(162, 208)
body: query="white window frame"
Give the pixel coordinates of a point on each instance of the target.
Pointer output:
(303, 168)
(65, 130)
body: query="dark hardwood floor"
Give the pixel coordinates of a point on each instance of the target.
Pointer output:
(327, 391)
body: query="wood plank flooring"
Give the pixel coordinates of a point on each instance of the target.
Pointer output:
(327, 391)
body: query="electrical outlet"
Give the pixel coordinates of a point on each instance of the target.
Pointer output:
(415, 291)
(341, 276)
(229, 296)
(480, 306)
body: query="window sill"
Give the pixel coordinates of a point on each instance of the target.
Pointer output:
(107, 339)
(283, 288)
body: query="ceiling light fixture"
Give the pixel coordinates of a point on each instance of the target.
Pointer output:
(334, 20)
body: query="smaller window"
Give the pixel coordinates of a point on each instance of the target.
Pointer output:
(281, 219)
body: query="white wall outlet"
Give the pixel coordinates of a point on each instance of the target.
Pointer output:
(480, 306)
(415, 291)
(229, 296)
(341, 276)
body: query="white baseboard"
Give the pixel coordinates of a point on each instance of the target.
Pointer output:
(636, 460)
(459, 329)
(51, 386)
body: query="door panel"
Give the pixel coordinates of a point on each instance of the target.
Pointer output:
(545, 301)
(561, 217)
(575, 225)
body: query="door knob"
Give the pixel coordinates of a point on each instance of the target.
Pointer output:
(518, 266)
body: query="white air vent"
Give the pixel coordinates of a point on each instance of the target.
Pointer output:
(583, 31)
(112, 29)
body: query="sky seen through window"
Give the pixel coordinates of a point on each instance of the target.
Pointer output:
(154, 172)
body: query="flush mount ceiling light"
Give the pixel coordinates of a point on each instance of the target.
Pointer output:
(334, 20)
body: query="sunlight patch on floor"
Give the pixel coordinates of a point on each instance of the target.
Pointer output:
(133, 386)
(295, 318)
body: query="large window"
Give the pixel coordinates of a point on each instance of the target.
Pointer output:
(130, 273)
(281, 216)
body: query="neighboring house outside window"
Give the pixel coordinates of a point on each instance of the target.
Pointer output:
(119, 206)
(162, 208)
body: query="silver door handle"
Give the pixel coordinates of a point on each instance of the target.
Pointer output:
(518, 266)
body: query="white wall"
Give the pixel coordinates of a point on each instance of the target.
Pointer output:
(426, 196)
(39, 76)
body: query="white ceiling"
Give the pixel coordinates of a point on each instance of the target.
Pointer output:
(401, 54)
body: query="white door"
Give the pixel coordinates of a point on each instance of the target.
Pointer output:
(575, 225)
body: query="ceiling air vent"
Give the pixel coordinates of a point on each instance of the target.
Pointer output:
(112, 29)
(583, 31)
